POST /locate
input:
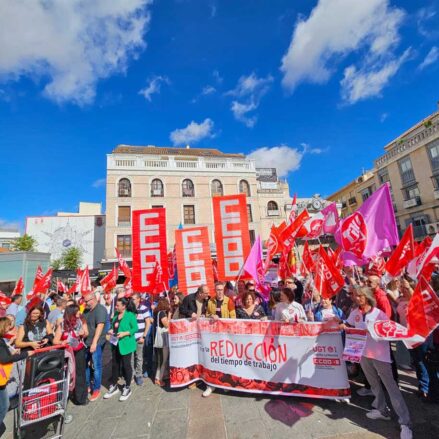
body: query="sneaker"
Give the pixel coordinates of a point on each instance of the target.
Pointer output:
(406, 432)
(69, 418)
(139, 381)
(111, 391)
(364, 392)
(208, 391)
(126, 393)
(376, 414)
(94, 396)
(145, 374)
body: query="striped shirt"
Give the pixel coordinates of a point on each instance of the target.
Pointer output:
(143, 313)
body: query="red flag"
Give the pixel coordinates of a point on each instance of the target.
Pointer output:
(157, 284)
(313, 227)
(287, 264)
(43, 285)
(403, 253)
(328, 279)
(4, 299)
(110, 280)
(307, 259)
(85, 285)
(19, 287)
(272, 245)
(123, 265)
(293, 212)
(61, 287)
(75, 287)
(38, 276)
(215, 270)
(128, 287)
(423, 310)
(289, 233)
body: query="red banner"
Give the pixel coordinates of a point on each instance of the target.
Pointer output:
(194, 263)
(231, 234)
(149, 246)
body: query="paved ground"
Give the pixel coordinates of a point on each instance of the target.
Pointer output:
(156, 413)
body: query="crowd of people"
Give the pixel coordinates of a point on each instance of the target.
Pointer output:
(135, 329)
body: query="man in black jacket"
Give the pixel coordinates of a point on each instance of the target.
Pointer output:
(194, 305)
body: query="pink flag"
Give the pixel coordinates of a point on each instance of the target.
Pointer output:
(254, 266)
(369, 230)
(331, 220)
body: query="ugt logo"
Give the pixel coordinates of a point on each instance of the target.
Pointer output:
(354, 234)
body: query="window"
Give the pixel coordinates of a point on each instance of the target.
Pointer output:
(244, 188)
(189, 214)
(383, 176)
(249, 213)
(124, 245)
(157, 188)
(124, 216)
(419, 225)
(124, 189)
(188, 188)
(411, 192)
(216, 188)
(272, 208)
(406, 171)
(252, 236)
(366, 193)
(433, 152)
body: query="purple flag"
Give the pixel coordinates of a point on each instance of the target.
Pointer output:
(331, 220)
(254, 266)
(369, 230)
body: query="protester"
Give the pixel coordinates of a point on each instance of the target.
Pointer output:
(96, 318)
(11, 335)
(376, 363)
(287, 310)
(177, 301)
(15, 306)
(402, 354)
(122, 337)
(249, 309)
(195, 305)
(6, 358)
(144, 318)
(312, 304)
(327, 311)
(162, 315)
(56, 315)
(36, 331)
(392, 290)
(72, 330)
(382, 301)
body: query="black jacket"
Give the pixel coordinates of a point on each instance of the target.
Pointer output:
(189, 306)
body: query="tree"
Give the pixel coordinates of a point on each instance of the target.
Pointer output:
(56, 264)
(71, 258)
(25, 243)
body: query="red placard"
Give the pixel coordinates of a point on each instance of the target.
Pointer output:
(231, 234)
(194, 263)
(149, 246)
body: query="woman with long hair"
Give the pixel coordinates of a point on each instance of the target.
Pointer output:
(72, 330)
(36, 332)
(122, 338)
(162, 315)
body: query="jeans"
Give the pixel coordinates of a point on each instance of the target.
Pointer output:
(418, 356)
(137, 360)
(4, 406)
(96, 360)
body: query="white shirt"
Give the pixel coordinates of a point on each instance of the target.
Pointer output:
(378, 350)
(290, 312)
(327, 314)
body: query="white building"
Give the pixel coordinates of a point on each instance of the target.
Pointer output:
(7, 238)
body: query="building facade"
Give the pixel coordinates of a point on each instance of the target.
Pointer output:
(410, 165)
(8, 238)
(184, 180)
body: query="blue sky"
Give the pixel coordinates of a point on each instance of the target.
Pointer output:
(316, 88)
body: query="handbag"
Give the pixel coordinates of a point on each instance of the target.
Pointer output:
(161, 335)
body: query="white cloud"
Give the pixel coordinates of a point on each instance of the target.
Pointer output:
(70, 44)
(336, 28)
(425, 26)
(208, 90)
(218, 78)
(368, 81)
(100, 182)
(153, 87)
(193, 133)
(307, 149)
(9, 225)
(284, 158)
(431, 58)
(383, 117)
(248, 93)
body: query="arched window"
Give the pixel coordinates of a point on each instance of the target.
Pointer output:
(124, 189)
(244, 187)
(157, 188)
(272, 208)
(188, 188)
(216, 188)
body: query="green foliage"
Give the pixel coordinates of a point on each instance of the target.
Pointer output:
(25, 243)
(71, 258)
(56, 264)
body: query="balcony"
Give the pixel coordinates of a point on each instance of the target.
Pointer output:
(419, 232)
(273, 212)
(412, 202)
(352, 201)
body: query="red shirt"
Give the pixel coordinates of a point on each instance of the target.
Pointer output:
(383, 302)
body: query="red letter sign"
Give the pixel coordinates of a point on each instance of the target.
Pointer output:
(231, 234)
(149, 246)
(194, 263)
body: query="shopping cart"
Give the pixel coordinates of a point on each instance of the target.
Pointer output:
(45, 401)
